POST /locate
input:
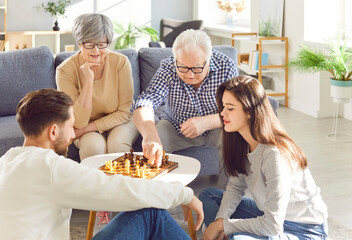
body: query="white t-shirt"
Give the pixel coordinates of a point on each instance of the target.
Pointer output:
(39, 188)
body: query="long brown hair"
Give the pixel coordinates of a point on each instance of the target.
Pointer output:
(264, 126)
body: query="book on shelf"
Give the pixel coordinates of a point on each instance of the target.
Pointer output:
(254, 60)
(2, 45)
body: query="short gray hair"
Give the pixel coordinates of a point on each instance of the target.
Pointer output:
(92, 26)
(192, 39)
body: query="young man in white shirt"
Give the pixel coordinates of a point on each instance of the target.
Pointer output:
(39, 187)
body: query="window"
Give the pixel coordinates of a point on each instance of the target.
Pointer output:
(325, 19)
(209, 12)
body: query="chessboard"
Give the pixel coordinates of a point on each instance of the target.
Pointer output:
(137, 166)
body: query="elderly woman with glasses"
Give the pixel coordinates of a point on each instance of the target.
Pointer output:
(99, 81)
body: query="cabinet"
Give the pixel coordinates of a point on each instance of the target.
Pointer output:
(266, 44)
(3, 29)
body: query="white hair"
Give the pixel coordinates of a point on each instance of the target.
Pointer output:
(91, 26)
(190, 40)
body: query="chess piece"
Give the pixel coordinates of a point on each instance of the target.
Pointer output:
(127, 166)
(137, 171)
(131, 151)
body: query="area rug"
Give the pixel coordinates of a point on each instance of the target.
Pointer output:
(336, 231)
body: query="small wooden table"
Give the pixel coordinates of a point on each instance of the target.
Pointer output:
(187, 170)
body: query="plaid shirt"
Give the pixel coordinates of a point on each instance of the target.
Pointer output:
(182, 101)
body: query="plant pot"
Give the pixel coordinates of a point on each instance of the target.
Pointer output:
(56, 26)
(341, 91)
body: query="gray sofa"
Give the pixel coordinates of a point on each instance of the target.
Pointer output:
(31, 69)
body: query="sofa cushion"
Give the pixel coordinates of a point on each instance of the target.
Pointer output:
(207, 156)
(23, 71)
(11, 134)
(132, 57)
(149, 63)
(229, 51)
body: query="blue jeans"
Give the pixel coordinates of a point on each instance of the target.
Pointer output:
(148, 223)
(211, 199)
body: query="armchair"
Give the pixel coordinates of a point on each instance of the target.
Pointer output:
(171, 28)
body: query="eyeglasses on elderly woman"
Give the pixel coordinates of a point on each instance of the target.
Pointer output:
(90, 45)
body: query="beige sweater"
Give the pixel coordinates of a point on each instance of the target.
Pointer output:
(112, 94)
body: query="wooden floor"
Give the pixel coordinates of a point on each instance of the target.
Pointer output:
(329, 161)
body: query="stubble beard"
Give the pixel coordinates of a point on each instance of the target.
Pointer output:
(61, 146)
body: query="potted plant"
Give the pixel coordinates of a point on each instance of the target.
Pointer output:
(56, 9)
(127, 37)
(338, 63)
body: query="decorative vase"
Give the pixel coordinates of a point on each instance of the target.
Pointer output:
(232, 18)
(341, 91)
(229, 19)
(56, 26)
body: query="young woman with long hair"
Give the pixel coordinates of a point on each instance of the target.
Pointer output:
(261, 157)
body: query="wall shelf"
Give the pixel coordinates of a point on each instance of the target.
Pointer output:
(55, 40)
(260, 43)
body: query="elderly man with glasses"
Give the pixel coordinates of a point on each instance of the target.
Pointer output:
(187, 82)
(99, 81)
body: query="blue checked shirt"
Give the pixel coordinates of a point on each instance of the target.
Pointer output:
(181, 100)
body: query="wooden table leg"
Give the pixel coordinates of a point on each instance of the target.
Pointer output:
(91, 223)
(192, 231)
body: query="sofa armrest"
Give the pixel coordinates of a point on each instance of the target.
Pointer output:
(274, 103)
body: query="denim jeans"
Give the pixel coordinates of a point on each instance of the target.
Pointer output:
(172, 142)
(148, 223)
(211, 199)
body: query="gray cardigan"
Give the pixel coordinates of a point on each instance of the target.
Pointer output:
(281, 193)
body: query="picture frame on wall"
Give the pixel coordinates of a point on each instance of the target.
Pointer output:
(271, 18)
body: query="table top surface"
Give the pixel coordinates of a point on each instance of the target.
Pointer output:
(187, 170)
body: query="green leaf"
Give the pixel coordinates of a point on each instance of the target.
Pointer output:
(338, 63)
(55, 8)
(131, 34)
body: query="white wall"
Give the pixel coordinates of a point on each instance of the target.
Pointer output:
(22, 15)
(308, 93)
